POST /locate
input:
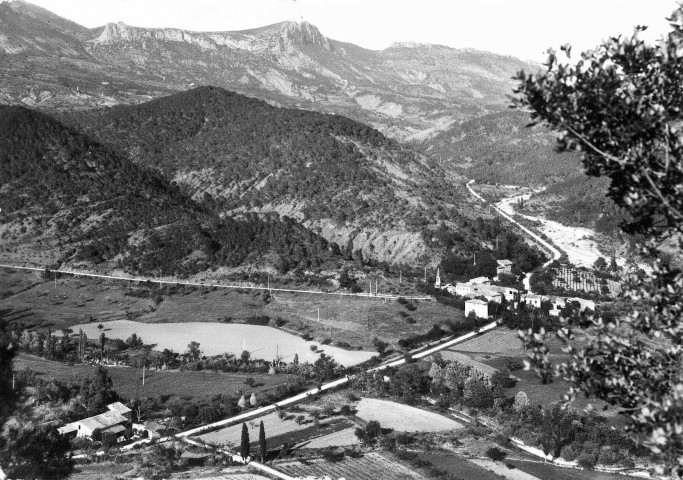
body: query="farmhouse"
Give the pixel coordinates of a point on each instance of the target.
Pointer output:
(479, 307)
(115, 422)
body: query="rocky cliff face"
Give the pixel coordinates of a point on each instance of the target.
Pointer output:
(408, 91)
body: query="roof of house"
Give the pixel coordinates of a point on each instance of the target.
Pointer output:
(476, 301)
(533, 296)
(479, 280)
(68, 428)
(504, 263)
(119, 407)
(115, 429)
(103, 421)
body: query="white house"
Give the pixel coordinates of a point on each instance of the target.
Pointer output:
(504, 266)
(116, 421)
(479, 307)
(533, 300)
(480, 281)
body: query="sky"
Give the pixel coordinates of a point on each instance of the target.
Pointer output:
(522, 28)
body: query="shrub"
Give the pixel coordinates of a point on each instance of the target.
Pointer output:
(496, 454)
(587, 461)
(346, 410)
(568, 453)
(327, 341)
(332, 454)
(262, 320)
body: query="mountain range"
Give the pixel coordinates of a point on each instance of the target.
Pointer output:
(356, 152)
(408, 91)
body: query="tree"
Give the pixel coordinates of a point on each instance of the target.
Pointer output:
(620, 105)
(262, 442)
(193, 350)
(600, 264)
(98, 392)
(244, 444)
(380, 346)
(26, 450)
(103, 340)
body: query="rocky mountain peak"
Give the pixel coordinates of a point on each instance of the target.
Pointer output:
(302, 33)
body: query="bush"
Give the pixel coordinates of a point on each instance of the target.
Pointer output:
(496, 454)
(514, 364)
(587, 461)
(331, 454)
(262, 320)
(346, 410)
(568, 453)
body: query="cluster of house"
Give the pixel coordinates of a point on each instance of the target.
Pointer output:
(116, 421)
(481, 287)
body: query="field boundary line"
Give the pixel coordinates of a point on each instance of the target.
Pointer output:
(379, 296)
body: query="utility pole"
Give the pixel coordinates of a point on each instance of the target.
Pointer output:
(318, 314)
(425, 273)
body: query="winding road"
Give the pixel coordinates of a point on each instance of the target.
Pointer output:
(554, 252)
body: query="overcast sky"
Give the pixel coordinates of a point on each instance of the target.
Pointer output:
(523, 28)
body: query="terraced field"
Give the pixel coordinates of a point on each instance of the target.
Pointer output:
(372, 466)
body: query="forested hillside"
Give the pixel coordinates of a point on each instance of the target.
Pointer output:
(500, 148)
(236, 154)
(59, 185)
(246, 153)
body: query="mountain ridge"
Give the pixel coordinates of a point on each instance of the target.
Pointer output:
(408, 93)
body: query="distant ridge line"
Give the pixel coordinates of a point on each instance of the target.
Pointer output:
(380, 296)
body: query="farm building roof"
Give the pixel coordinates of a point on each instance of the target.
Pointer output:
(119, 407)
(103, 420)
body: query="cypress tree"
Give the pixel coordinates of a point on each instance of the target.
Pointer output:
(262, 442)
(244, 447)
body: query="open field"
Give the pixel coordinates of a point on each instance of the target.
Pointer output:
(372, 466)
(459, 467)
(548, 471)
(403, 418)
(280, 431)
(128, 381)
(501, 341)
(28, 300)
(501, 469)
(342, 438)
(218, 338)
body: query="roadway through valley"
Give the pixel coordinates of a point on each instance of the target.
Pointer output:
(379, 296)
(554, 252)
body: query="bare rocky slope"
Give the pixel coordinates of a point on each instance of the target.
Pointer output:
(407, 91)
